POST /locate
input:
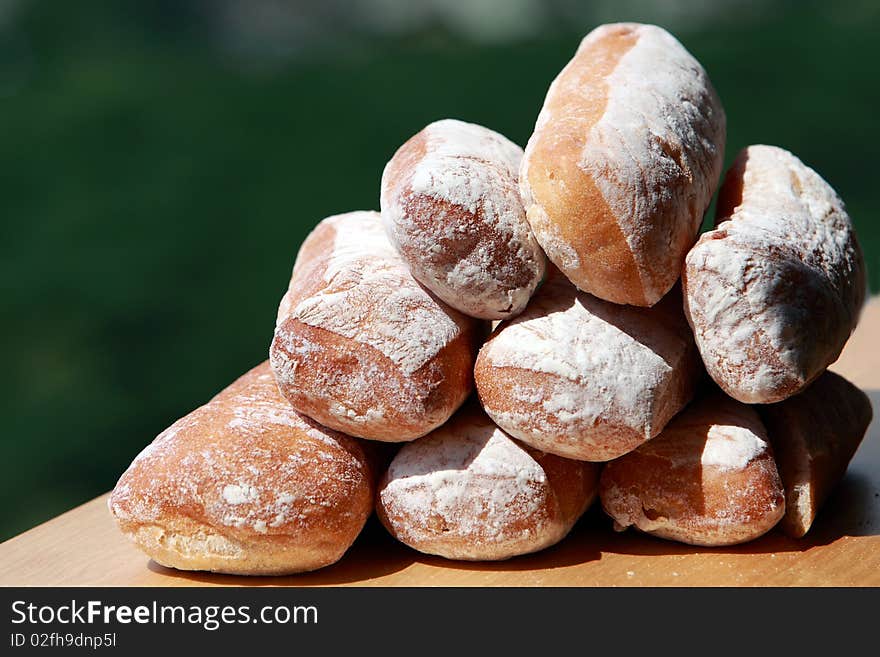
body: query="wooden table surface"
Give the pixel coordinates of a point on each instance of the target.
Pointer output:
(83, 547)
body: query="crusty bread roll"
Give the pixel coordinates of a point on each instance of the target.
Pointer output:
(246, 485)
(708, 479)
(360, 346)
(584, 378)
(468, 491)
(814, 436)
(451, 206)
(623, 162)
(775, 291)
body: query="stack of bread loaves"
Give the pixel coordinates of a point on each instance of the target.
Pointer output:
(593, 383)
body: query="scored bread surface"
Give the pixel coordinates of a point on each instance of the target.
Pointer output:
(625, 156)
(451, 206)
(360, 346)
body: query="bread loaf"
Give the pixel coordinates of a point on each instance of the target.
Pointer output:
(708, 479)
(774, 292)
(246, 485)
(814, 436)
(360, 346)
(584, 378)
(623, 162)
(451, 206)
(467, 491)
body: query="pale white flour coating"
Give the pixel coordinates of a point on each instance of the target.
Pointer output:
(457, 218)
(611, 368)
(731, 447)
(476, 480)
(774, 292)
(376, 354)
(656, 153)
(623, 161)
(468, 491)
(454, 149)
(359, 236)
(708, 479)
(395, 315)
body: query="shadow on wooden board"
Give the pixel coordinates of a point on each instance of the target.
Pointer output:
(852, 510)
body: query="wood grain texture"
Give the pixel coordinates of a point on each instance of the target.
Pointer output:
(83, 547)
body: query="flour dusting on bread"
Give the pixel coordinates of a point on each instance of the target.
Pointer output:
(451, 206)
(774, 292)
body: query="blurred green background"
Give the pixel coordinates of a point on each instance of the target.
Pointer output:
(162, 161)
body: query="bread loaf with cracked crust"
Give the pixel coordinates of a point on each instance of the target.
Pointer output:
(708, 479)
(775, 291)
(584, 378)
(360, 346)
(814, 436)
(468, 491)
(246, 485)
(623, 162)
(451, 206)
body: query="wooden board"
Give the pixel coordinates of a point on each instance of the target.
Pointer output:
(83, 547)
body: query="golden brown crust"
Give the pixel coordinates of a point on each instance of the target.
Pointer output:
(623, 162)
(401, 166)
(814, 436)
(499, 391)
(708, 479)
(360, 346)
(406, 406)
(468, 491)
(574, 487)
(562, 198)
(246, 485)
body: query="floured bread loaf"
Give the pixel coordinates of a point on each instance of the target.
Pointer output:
(708, 479)
(451, 205)
(467, 491)
(625, 156)
(584, 378)
(360, 346)
(774, 292)
(246, 485)
(814, 436)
